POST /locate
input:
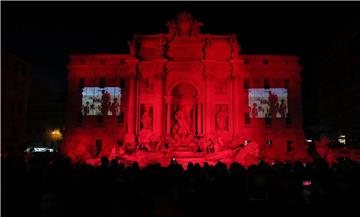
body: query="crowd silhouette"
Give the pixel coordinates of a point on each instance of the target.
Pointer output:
(48, 184)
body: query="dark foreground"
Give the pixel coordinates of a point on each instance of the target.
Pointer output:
(44, 185)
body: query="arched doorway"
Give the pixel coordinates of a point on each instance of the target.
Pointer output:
(184, 114)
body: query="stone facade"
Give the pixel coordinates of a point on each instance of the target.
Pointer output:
(179, 86)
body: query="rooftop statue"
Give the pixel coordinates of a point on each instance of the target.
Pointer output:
(185, 26)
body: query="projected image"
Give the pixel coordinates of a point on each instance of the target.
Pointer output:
(268, 103)
(101, 101)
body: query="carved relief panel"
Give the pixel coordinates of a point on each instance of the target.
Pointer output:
(221, 117)
(147, 86)
(221, 86)
(146, 117)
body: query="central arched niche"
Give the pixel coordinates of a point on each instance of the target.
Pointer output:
(184, 90)
(183, 112)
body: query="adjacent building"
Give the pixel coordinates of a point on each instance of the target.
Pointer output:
(339, 98)
(15, 81)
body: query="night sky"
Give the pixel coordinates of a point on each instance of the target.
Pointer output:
(45, 33)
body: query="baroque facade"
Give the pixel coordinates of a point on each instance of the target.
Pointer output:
(180, 88)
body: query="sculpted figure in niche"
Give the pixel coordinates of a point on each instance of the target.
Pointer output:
(196, 28)
(222, 118)
(184, 24)
(132, 48)
(172, 28)
(181, 129)
(235, 47)
(207, 44)
(147, 119)
(159, 47)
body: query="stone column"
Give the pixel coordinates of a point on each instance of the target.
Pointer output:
(199, 105)
(168, 111)
(158, 109)
(237, 113)
(130, 121)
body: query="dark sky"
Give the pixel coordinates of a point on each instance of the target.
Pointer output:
(44, 33)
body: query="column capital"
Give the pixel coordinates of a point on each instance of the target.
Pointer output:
(200, 99)
(168, 99)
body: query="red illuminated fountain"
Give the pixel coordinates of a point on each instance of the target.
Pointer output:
(184, 95)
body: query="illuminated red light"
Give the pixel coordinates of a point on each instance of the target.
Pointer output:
(185, 95)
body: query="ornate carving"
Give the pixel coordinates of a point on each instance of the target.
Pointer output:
(146, 117)
(235, 47)
(221, 119)
(132, 47)
(184, 23)
(172, 28)
(221, 86)
(160, 47)
(146, 125)
(207, 44)
(196, 28)
(185, 26)
(181, 129)
(147, 86)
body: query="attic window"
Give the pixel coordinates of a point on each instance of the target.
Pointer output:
(122, 61)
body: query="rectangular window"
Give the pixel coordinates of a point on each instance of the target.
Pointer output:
(102, 61)
(122, 61)
(80, 118)
(267, 121)
(100, 119)
(247, 118)
(122, 84)
(102, 83)
(265, 61)
(289, 145)
(120, 118)
(266, 83)
(288, 119)
(286, 83)
(246, 83)
(269, 142)
(81, 83)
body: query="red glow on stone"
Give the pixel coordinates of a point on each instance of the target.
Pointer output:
(185, 95)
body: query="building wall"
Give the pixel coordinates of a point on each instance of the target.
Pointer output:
(14, 99)
(211, 67)
(46, 114)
